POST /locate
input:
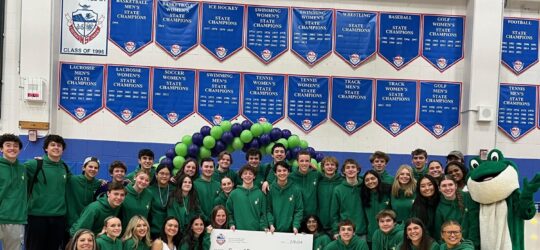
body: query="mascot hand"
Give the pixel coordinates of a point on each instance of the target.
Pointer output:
(529, 188)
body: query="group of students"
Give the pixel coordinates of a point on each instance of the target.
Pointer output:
(421, 207)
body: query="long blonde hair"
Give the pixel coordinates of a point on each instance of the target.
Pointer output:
(105, 221)
(408, 188)
(130, 232)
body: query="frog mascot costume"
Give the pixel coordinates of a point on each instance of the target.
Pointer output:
(494, 184)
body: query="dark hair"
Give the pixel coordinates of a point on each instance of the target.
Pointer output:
(386, 213)
(424, 207)
(278, 145)
(181, 172)
(459, 197)
(10, 137)
(303, 152)
(177, 238)
(253, 152)
(282, 164)
(72, 244)
(379, 154)
(190, 238)
(224, 153)
(213, 217)
(145, 152)
(419, 151)
(346, 222)
(117, 164)
(113, 185)
(53, 138)
(207, 159)
(246, 167)
(382, 189)
(351, 161)
(193, 199)
(303, 224)
(425, 242)
(159, 168)
(463, 169)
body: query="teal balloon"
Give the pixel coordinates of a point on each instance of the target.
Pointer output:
(225, 125)
(178, 161)
(230, 148)
(267, 127)
(204, 153)
(269, 148)
(246, 136)
(237, 143)
(303, 144)
(186, 139)
(284, 142)
(256, 129)
(209, 142)
(216, 132)
(181, 149)
(294, 141)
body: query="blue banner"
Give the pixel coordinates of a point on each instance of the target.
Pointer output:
(307, 105)
(222, 28)
(352, 99)
(264, 97)
(439, 107)
(127, 91)
(177, 26)
(442, 44)
(517, 109)
(267, 32)
(131, 24)
(219, 96)
(312, 34)
(519, 44)
(355, 36)
(395, 105)
(399, 38)
(81, 89)
(173, 95)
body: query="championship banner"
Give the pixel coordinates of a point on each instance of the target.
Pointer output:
(399, 38)
(173, 94)
(395, 105)
(131, 24)
(355, 34)
(519, 44)
(81, 89)
(352, 101)
(439, 107)
(177, 26)
(264, 97)
(442, 44)
(222, 239)
(267, 32)
(517, 109)
(219, 96)
(222, 29)
(307, 105)
(312, 34)
(84, 27)
(127, 91)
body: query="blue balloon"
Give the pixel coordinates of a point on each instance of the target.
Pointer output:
(205, 130)
(286, 133)
(276, 134)
(312, 152)
(170, 153)
(214, 152)
(246, 124)
(197, 139)
(319, 157)
(289, 155)
(220, 146)
(236, 129)
(227, 137)
(193, 150)
(264, 140)
(295, 152)
(166, 161)
(254, 143)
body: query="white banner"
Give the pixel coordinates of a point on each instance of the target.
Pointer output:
(255, 240)
(84, 27)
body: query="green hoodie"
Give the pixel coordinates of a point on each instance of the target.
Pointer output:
(387, 178)
(320, 240)
(217, 176)
(375, 206)
(355, 244)
(347, 204)
(325, 190)
(285, 207)
(79, 194)
(468, 217)
(182, 212)
(135, 204)
(271, 174)
(105, 243)
(465, 245)
(207, 191)
(158, 209)
(13, 197)
(221, 198)
(434, 246)
(47, 199)
(402, 205)
(259, 177)
(246, 209)
(419, 174)
(387, 241)
(131, 176)
(93, 216)
(129, 244)
(307, 184)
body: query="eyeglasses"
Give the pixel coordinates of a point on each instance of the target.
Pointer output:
(452, 232)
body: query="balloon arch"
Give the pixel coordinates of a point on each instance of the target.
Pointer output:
(210, 141)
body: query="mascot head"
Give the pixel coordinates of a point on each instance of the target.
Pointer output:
(492, 180)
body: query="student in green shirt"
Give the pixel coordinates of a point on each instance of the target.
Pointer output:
(415, 236)
(379, 160)
(184, 202)
(284, 202)
(227, 186)
(189, 168)
(279, 153)
(312, 225)
(347, 239)
(253, 158)
(161, 190)
(419, 158)
(306, 179)
(425, 204)
(207, 188)
(223, 169)
(170, 235)
(452, 237)
(389, 234)
(109, 238)
(138, 198)
(137, 234)
(145, 160)
(403, 193)
(83, 239)
(375, 197)
(194, 238)
(435, 170)
(329, 179)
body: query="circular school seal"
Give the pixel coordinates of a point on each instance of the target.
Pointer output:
(395, 127)
(438, 129)
(517, 65)
(350, 125)
(311, 56)
(221, 52)
(126, 114)
(176, 49)
(217, 119)
(130, 46)
(398, 61)
(441, 63)
(354, 59)
(266, 54)
(172, 117)
(220, 239)
(262, 120)
(307, 124)
(80, 112)
(515, 132)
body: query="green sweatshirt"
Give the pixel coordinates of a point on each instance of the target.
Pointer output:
(221, 199)
(465, 245)
(285, 208)
(13, 197)
(246, 209)
(207, 192)
(320, 240)
(520, 207)
(105, 243)
(259, 177)
(93, 216)
(158, 209)
(347, 204)
(389, 241)
(402, 205)
(136, 204)
(129, 244)
(387, 178)
(434, 246)
(205, 243)
(419, 174)
(217, 176)
(182, 212)
(355, 244)
(375, 206)
(307, 184)
(131, 176)
(79, 194)
(325, 190)
(47, 199)
(447, 210)
(271, 174)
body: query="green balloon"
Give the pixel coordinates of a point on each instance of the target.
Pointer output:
(246, 136)
(225, 125)
(230, 148)
(237, 143)
(181, 149)
(263, 151)
(284, 142)
(294, 164)
(175, 171)
(303, 144)
(314, 162)
(294, 141)
(216, 132)
(178, 161)
(186, 139)
(204, 152)
(256, 129)
(267, 127)
(209, 142)
(269, 148)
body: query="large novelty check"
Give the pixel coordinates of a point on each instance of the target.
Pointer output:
(253, 240)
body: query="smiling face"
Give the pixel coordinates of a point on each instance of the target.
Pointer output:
(427, 188)
(451, 234)
(207, 169)
(54, 150)
(91, 169)
(85, 242)
(304, 161)
(278, 154)
(456, 172)
(221, 217)
(435, 169)
(190, 168)
(329, 168)
(371, 181)
(247, 177)
(379, 164)
(146, 162)
(226, 185)
(414, 233)
(448, 189)
(10, 150)
(142, 180)
(141, 229)
(116, 197)
(186, 185)
(118, 174)
(312, 225)
(346, 233)
(404, 176)
(225, 162)
(350, 170)
(197, 227)
(282, 173)
(171, 227)
(254, 160)
(386, 224)
(163, 176)
(113, 228)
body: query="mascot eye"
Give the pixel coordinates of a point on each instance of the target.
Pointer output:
(494, 156)
(474, 163)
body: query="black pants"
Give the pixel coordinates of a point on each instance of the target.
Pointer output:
(45, 232)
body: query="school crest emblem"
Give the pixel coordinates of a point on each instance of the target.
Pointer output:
(172, 117)
(266, 54)
(395, 127)
(311, 56)
(84, 24)
(398, 61)
(262, 120)
(176, 49)
(130, 46)
(438, 129)
(518, 65)
(126, 114)
(307, 124)
(217, 119)
(441, 63)
(221, 52)
(80, 112)
(350, 125)
(354, 59)
(220, 239)
(515, 132)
